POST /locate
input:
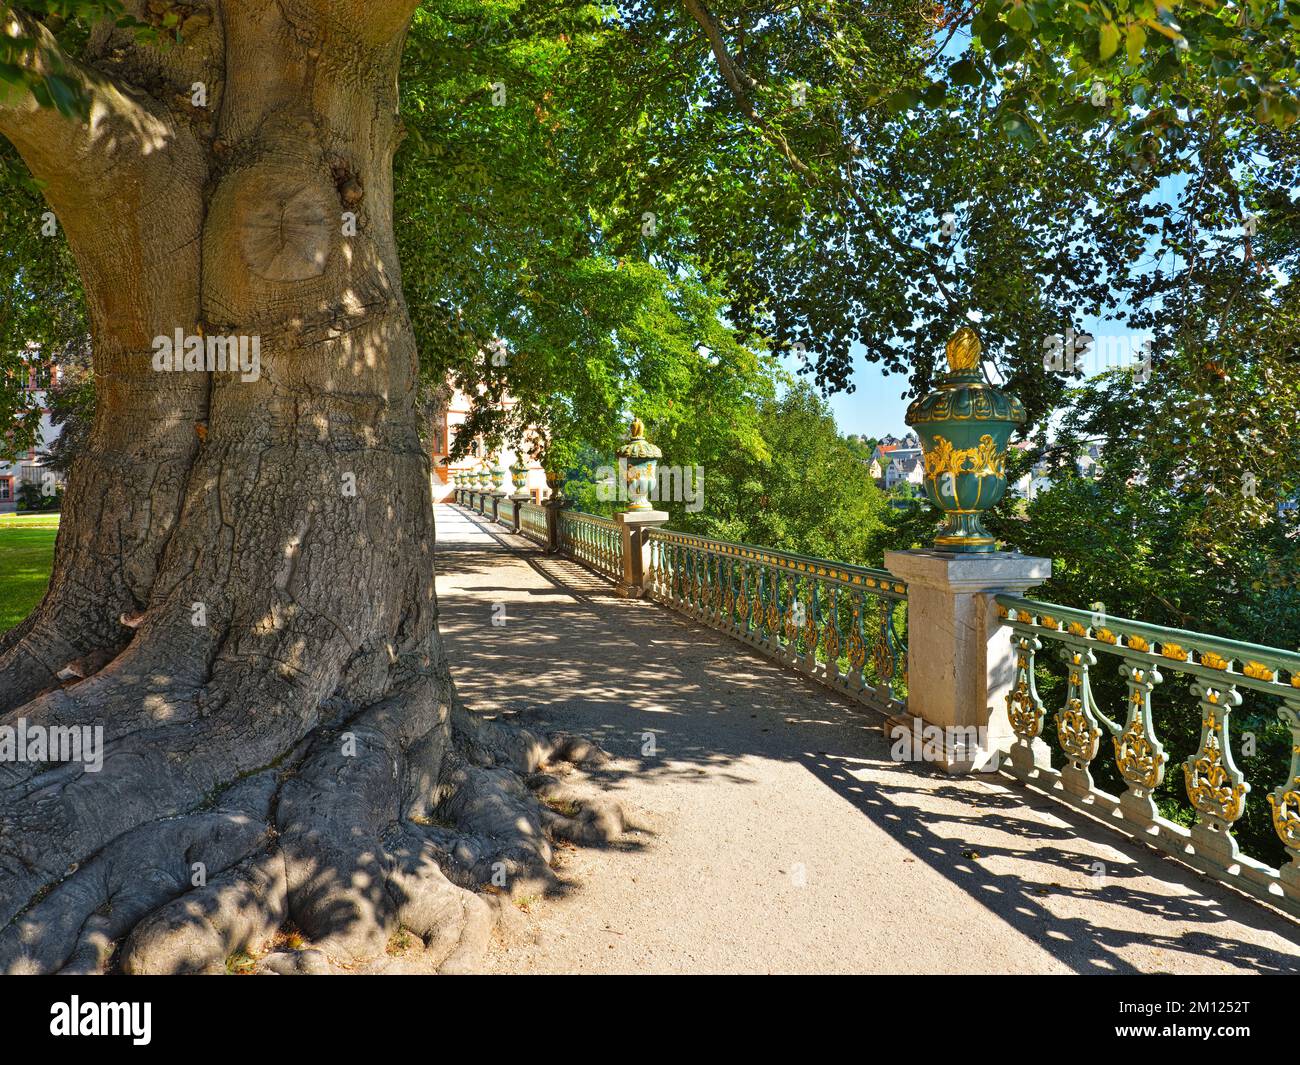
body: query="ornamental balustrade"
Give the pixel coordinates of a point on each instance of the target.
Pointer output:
(847, 627)
(532, 523)
(593, 540)
(843, 625)
(1216, 672)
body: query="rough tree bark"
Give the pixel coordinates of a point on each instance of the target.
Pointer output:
(301, 745)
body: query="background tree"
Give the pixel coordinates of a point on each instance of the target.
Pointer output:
(809, 494)
(71, 403)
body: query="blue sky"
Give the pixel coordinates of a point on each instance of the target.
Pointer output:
(877, 406)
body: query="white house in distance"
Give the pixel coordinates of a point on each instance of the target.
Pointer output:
(29, 466)
(1039, 478)
(896, 460)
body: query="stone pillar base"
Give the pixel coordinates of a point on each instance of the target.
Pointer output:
(1291, 874)
(633, 524)
(960, 663)
(1139, 807)
(554, 505)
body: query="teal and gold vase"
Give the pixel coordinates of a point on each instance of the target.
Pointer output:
(640, 459)
(964, 424)
(519, 478)
(555, 482)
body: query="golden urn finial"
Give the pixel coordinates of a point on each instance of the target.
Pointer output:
(638, 429)
(964, 350)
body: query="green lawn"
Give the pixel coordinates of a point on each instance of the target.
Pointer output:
(26, 554)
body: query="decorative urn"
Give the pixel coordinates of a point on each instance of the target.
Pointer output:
(641, 459)
(500, 478)
(964, 425)
(519, 478)
(555, 483)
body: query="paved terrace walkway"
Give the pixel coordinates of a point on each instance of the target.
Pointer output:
(782, 838)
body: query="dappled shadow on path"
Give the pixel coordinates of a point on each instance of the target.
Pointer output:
(674, 700)
(938, 839)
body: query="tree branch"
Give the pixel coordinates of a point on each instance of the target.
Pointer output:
(119, 125)
(741, 85)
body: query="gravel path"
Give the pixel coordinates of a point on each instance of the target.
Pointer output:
(779, 836)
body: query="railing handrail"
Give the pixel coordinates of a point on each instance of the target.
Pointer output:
(1216, 788)
(582, 515)
(1176, 645)
(844, 572)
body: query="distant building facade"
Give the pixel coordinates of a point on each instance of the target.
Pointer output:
(30, 466)
(450, 411)
(1039, 478)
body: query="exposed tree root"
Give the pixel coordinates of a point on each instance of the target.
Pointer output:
(75, 926)
(393, 824)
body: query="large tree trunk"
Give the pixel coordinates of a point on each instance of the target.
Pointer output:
(245, 567)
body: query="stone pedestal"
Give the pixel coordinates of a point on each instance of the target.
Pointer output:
(636, 555)
(553, 506)
(960, 663)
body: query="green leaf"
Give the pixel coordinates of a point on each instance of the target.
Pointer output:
(63, 94)
(1109, 40)
(964, 72)
(903, 100)
(1135, 42)
(934, 93)
(1018, 19)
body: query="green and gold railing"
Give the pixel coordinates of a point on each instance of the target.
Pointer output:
(843, 625)
(591, 539)
(532, 523)
(1217, 673)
